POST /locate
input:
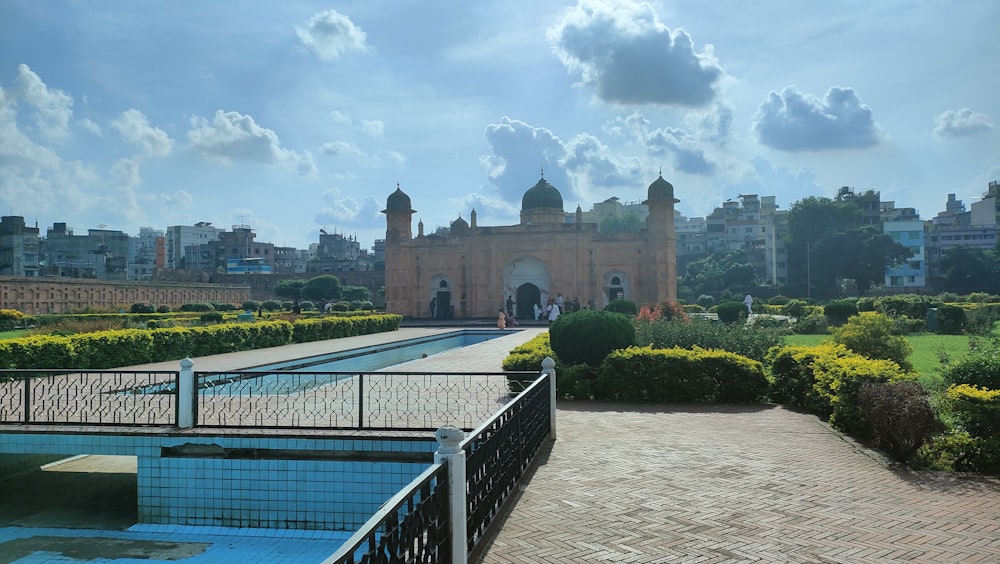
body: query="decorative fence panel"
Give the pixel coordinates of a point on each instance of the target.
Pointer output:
(350, 400)
(60, 397)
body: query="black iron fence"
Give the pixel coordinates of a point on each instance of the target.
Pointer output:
(500, 453)
(351, 400)
(412, 527)
(62, 397)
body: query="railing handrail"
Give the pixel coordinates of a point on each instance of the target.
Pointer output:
(475, 433)
(367, 531)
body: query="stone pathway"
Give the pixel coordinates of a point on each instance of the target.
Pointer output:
(635, 483)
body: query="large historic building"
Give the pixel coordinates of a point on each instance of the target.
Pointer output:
(474, 269)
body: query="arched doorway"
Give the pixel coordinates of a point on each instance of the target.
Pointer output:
(444, 308)
(527, 296)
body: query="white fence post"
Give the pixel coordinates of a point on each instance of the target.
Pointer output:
(549, 367)
(450, 452)
(185, 395)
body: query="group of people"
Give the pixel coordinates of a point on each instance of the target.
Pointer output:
(554, 307)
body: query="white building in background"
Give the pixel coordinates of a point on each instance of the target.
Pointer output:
(180, 237)
(145, 253)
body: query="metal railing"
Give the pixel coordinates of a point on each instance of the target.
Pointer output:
(413, 526)
(499, 453)
(416, 524)
(350, 400)
(63, 397)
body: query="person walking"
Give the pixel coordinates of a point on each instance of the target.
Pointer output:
(748, 301)
(502, 319)
(553, 312)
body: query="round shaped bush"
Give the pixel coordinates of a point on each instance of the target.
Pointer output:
(706, 300)
(951, 319)
(839, 311)
(588, 336)
(620, 305)
(730, 311)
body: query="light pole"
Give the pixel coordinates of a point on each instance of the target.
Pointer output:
(809, 272)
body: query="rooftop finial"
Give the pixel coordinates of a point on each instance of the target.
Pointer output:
(543, 173)
(661, 171)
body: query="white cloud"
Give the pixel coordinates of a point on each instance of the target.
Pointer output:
(330, 34)
(686, 148)
(688, 155)
(343, 149)
(630, 57)
(16, 149)
(961, 123)
(765, 179)
(53, 107)
(232, 136)
(793, 121)
(373, 128)
(519, 152)
(135, 128)
(91, 126)
(344, 209)
(592, 164)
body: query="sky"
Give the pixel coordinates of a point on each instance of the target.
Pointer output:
(297, 116)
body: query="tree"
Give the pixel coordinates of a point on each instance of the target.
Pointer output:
(290, 289)
(356, 293)
(811, 221)
(861, 255)
(717, 272)
(322, 288)
(968, 269)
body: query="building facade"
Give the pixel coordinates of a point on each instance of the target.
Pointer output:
(471, 270)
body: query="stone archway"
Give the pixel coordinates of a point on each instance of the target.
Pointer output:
(528, 295)
(522, 271)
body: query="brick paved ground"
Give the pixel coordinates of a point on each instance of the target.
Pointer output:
(632, 483)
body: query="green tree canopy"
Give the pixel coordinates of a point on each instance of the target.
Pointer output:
(322, 288)
(290, 289)
(968, 269)
(719, 271)
(628, 222)
(860, 254)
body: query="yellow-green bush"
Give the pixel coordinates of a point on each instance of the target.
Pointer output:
(977, 410)
(530, 354)
(839, 381)
(871, 335)
(125, 347)
(793, 378)
(679, 375)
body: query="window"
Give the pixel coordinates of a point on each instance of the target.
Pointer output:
(616, 281)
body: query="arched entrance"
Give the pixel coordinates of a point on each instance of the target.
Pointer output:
(444, 308)
(527, 296)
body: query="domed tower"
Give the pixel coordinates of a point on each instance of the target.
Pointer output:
(542, 203)
(662, 238)
(398, 213)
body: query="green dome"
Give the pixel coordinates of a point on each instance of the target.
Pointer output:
(541, 195)
(398, 201)
(660, 189)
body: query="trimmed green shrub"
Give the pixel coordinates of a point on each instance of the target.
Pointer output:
(839, 311)
(211, 317)
(588, 336)
(951, 319)
(677, 375)
(621, 305)
(250, 305)
(751, 342)
(706, 301)
(871, 335)
(196, 307)
(793, 377)
(731, 311)
(914, 306)
(794, 308)
(903, 325)
(981, 367)
(813, 324)
(778, 300)
(840, 380)
(981, 320)
(219, 306)
(976, 410)
(142, 308)
(163, 309)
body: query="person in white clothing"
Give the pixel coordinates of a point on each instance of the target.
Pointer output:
(552, 312)
(748, 301)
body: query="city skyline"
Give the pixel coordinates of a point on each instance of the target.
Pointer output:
(296, 118)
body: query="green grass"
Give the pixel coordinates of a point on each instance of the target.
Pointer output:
(927, 350)
(14, 334)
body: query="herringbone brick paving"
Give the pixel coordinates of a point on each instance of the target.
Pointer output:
(633, 483)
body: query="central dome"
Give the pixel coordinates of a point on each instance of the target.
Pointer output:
(541, 195)
(660, 189)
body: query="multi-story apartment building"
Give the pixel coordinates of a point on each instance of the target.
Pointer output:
(181, 237)
(20, 247)
(146, 253)
(911, 274)
(101, 253)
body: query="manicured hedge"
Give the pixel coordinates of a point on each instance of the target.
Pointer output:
(645, 374)
(126, 347)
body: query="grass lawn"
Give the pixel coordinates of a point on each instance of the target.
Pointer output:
(927, 349)
(14, 334)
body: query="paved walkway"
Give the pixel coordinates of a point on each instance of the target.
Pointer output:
(634, 483)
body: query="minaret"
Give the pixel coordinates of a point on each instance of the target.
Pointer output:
(663, 238)
(398, 213)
